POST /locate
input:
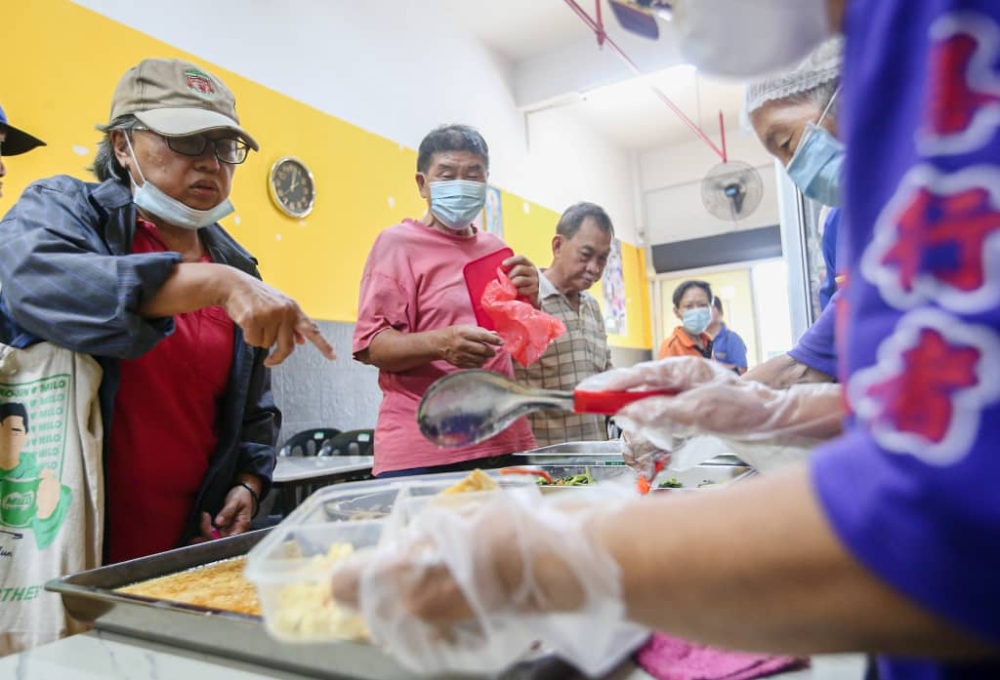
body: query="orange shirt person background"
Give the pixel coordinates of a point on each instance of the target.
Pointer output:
(692, 305)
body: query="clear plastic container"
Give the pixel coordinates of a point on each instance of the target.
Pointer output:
(293, 565)
(292, 570)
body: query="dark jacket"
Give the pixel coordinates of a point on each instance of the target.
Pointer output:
(68, 277)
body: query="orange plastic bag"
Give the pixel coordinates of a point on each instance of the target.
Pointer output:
(526, 331)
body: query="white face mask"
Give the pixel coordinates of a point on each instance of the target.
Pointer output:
(745, 38)
(170, 210)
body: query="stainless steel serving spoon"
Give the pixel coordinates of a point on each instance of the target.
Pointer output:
(469, 407)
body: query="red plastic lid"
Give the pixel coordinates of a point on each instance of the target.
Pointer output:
(478, 273)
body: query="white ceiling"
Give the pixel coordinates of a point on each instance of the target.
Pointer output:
(519, 29)
(524, 32)
(632, 115)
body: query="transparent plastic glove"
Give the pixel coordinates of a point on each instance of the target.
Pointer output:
(740, 410)
(642, 455)
(672, 373)
(713, 400)
(470, 589)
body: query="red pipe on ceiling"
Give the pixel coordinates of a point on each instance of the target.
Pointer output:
(597, 26)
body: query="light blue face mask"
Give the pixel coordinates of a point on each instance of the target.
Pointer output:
(170, 210)
(456, 202)
(817, 164)
(696, 320)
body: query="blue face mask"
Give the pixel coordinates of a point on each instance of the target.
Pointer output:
(696, 320)
(816, 166)
(456, 202)
(170, 210)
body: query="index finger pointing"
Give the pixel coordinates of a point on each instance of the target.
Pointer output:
(310, 331)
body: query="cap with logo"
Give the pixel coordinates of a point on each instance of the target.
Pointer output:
(175, 98)
(15, 141)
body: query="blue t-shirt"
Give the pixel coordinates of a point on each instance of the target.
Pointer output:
(913, 487)
(816, 348)
(729, 348)
(829, 243)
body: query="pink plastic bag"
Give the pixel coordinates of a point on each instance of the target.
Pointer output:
(526, 331)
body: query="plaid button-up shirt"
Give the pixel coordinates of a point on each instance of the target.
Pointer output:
(579, 353)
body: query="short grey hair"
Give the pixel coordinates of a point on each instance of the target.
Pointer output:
(451, 138)
(571, 220)
(106, 165)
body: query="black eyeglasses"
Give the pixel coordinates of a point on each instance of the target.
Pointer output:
(232, 150)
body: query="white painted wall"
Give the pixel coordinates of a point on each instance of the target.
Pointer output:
(396, 68)
(670, 182)
(576, 164)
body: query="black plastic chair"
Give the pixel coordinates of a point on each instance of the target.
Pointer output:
(350, 443)
(308, 442)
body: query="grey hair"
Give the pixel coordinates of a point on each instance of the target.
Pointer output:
(451, 138)
(106, 165)
(571, 220)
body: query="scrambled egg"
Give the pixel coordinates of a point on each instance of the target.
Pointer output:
(308, 610)
(477, 480)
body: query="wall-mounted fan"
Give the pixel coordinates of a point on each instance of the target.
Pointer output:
(732, 190)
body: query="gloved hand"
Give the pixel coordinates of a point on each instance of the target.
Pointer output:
(713, 400)
(642, 455)
(471, 587)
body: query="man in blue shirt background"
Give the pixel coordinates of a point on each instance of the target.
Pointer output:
(728, 347)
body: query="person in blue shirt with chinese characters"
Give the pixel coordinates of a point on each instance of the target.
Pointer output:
(888, 539)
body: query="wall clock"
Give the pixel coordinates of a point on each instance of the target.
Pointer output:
(292, 187)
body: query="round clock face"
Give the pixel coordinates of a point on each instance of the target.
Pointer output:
(292, 187)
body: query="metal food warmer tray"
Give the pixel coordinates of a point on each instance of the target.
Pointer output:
(698, 477)
(606, 451)
(93, 597)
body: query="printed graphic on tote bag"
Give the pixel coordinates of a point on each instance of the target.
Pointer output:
(33, 418)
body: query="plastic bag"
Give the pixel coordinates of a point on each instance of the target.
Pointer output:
(526, 331)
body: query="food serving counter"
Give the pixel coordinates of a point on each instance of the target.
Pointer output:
(102, 655)
(209, 636)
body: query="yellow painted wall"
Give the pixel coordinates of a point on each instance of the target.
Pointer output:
(64, 62)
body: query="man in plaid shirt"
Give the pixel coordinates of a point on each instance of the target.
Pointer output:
(580, 250)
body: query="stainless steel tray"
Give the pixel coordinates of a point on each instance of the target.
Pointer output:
(588, 452)
(585, 448)
(91, 597)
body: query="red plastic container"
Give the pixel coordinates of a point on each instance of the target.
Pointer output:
(477, 274)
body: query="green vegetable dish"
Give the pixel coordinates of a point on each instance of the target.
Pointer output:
(583, 479)
(674, 483)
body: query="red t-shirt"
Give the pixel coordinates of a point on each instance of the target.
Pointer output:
(164, 429)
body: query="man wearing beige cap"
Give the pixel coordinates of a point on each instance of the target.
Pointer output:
(136, 273)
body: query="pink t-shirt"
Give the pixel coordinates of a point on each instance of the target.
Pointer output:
(413, 281)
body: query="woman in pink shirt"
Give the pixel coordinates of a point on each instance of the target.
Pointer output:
(415, 320)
